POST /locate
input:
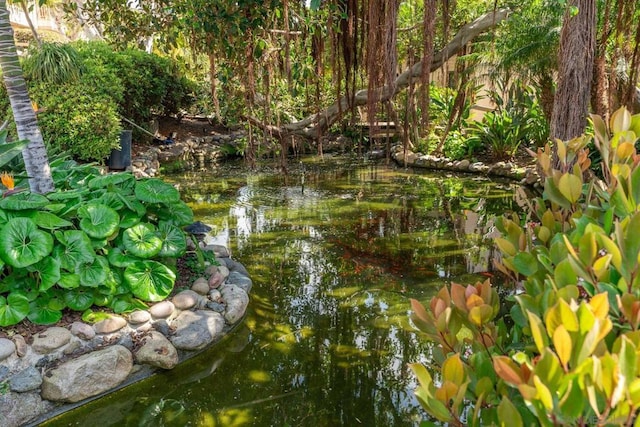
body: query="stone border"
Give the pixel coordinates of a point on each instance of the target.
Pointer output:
(525, 175)
(66, 367)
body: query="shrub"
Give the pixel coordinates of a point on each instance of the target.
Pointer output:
(103, 240)
(567, 353)
(151, 84)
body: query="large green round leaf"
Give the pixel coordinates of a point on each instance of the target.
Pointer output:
(128, 218)
(120, 259)
(125, 303)
(76, 248)
(23, 244)
(156, 191)
(178, 214)
(93, 274)
(142, 240)
(174, 242)
(23, 201)
(79, 299)
(98, 221)
(69, 280)
(41, 313)
(150, 280)
(47, 271)
(119, 180)
(13, 309)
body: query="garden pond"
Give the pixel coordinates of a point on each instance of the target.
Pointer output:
(335, 251)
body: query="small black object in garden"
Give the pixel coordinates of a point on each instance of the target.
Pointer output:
(198, 229)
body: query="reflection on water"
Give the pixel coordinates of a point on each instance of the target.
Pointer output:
(334, 258)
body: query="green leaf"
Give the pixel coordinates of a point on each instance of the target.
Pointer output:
(174, 242)
(75, 248)
(125, 303)
(149, 280)
(564, 274)
(525, 263)
(92, 274)
(142, 240)
(50, 221)
(178, 214)
(538, 332)
(91, 316)
(98, 221)
(570, 187)
(118, 258)
(13, 309)
(156, 191)
(508, 413)
(117, 180)
(23, 244)
(79, 299)
(48, 272)
(69, 280)
(8, 151)
(23, 201)
(41, 314)
(128, 218)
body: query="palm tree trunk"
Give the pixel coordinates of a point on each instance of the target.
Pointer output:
(35, 155)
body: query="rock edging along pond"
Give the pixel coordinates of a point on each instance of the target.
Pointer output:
(525, 175)
(65, 367)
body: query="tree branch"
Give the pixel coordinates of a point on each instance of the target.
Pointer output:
(309, 126)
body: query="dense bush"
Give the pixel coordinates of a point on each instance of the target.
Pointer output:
(151, 84)
(83, 90)
(567, 352)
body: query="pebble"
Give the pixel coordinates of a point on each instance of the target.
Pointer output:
(139, 316)
(51, 339)
(240, 280)
(216, 280)
(7, 348)
(215, 295)
(162, 310)
(157, 351)
(216, 306)
(26, 380)
(163, 327)
(82, 330)
(222, 269)
(110, 325)
(186, 300)
(200, 286)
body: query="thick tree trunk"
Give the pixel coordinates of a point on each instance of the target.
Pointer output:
(309, 126)
(575, 73)
(35, 155)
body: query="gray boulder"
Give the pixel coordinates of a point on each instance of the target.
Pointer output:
(88, 375)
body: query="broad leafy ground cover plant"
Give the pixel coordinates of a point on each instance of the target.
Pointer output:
(99, 240)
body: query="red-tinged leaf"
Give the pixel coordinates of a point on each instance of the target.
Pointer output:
(507, 370)
(458, 296)
(419, 311)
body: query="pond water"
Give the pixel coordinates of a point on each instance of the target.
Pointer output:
(335, 251)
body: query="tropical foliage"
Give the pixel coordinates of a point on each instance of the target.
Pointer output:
(562, 349)
(99, 240)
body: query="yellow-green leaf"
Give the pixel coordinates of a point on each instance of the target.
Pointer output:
(570, 187)
(601, 266)
(537, 331)
(453, 370)
(505, 246)
(562, 343)
(481, 314)
(544, 395)
(508, 414)
(625, 150)
(600, 305)
(620, 120)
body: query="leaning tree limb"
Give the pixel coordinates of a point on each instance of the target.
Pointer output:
(309, 126)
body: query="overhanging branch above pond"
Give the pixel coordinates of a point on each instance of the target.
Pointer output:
(309, 126)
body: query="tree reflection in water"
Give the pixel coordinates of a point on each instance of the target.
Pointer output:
(327, 338)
